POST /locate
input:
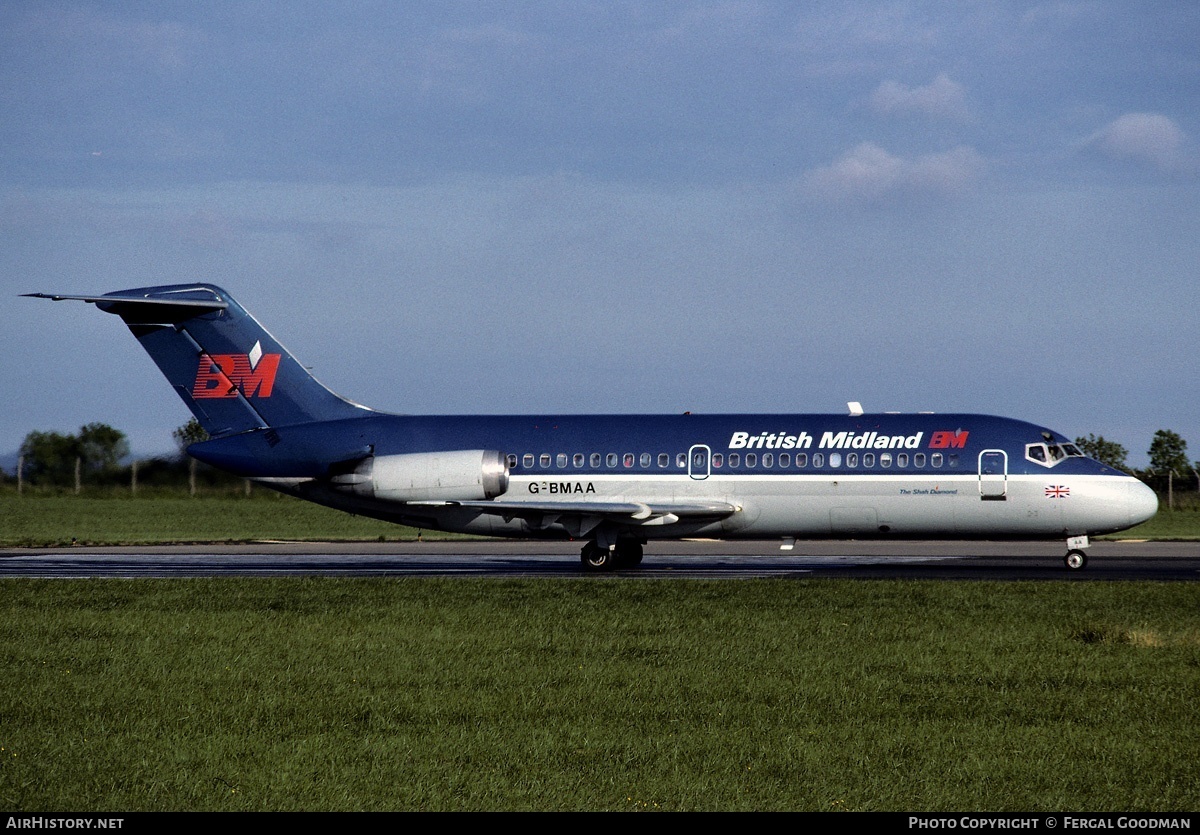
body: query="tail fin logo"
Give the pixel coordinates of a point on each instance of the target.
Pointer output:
(227, 375)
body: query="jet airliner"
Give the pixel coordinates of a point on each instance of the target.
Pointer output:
(616, 482)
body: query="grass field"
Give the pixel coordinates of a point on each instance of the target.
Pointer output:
(374, 694)
(117, 518)
(597, 693)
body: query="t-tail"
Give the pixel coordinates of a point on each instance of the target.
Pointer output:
(231, 373)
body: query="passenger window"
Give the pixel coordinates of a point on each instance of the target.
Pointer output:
(835, 459)
(628, 459)
(768, 459)
(561, 460)
(577, 460)
(611, 459)
(936, 459)
(818, 459)
(663, 459)
(952, 459)
(734, 460)
(869, 459)
(644, 461)
(885, 459)
(681, 460)
(544, 459)
(902, 459)
(751, 459)
(785, 460)
(512, 460)
(802, 460)
(527, 461)
(717, 460)
(852, 459)
(594, 460)
(919, 459)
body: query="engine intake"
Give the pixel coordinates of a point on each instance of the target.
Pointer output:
(457, 475)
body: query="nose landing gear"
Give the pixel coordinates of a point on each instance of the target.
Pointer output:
(1076, 559)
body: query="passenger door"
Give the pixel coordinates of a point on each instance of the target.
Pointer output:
(993, 475)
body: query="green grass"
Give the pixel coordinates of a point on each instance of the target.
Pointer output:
(428, 694)
(114, 517)
(119, 519)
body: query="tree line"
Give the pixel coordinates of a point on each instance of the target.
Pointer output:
(98, 455)
(1168, 454)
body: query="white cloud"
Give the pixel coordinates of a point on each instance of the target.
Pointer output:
(941, 98)
(869, 173)
(1146, 137)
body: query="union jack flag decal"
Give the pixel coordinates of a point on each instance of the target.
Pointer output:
(1057, 491)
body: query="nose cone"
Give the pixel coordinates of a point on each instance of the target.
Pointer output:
(1142, 503)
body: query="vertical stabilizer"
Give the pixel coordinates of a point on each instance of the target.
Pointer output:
(231, 373)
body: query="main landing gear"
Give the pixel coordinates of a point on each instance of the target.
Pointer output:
(625, 553)
(1076, 559)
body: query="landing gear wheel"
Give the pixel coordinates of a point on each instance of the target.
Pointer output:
(595, 558)
(1075, 560)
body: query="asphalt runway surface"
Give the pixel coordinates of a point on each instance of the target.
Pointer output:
(923, 560)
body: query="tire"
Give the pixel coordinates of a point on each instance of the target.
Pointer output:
(595, 558)
(1075, 560)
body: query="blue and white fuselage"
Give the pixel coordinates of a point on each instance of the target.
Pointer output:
(618, 481)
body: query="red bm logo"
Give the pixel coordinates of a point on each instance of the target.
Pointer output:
(224, 375)
(948, 440)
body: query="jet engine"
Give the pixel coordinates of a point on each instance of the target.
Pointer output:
(457, 475)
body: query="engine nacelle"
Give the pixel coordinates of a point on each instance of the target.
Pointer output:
(457, 475)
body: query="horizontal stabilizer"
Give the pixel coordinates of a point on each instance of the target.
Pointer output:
(214, 304)
(135, 309)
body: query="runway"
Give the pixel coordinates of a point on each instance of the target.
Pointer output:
(932, 560)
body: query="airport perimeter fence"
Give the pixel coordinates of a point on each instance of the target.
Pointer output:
(147, 476)
(1175, 492)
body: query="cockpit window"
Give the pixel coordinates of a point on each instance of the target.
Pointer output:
(1049, 454)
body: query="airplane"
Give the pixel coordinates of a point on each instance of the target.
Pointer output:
(617, 482)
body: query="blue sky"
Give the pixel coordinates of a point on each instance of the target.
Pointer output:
(616, 207)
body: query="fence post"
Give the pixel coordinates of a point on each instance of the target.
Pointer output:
(133, 478)
(20, 474)
(78, 475)
(192, 477)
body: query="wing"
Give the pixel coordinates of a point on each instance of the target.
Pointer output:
(580, 518)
